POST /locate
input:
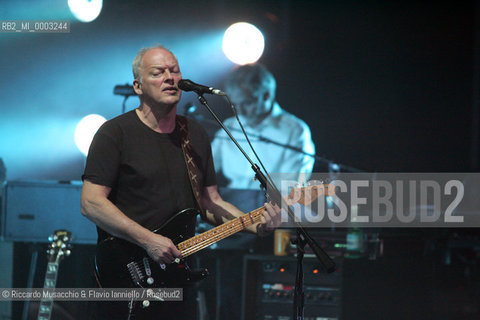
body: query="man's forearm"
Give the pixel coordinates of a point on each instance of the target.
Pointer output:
(222, 211)
(108, 217)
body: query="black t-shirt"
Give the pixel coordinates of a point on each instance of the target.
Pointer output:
(146, 169)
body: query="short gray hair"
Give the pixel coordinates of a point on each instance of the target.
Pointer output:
(137, 61)
(252, 77)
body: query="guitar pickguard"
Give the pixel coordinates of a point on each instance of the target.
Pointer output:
(121, 264)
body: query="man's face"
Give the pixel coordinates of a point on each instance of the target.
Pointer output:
(248, 103)
(160, 75)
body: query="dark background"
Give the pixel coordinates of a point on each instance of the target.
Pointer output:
(384, 85)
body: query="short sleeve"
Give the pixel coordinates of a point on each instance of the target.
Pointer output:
(103, 160)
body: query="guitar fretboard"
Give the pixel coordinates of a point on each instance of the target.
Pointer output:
(45, 308)
(211, 236)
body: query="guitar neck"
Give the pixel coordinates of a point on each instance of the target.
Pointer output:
(216, 234)
(45, 308)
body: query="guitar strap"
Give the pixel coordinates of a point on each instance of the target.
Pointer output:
(192, 168)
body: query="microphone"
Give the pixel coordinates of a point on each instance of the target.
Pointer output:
(188, 85)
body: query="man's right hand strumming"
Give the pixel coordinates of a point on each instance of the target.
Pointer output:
(97, 207)
(161, 249)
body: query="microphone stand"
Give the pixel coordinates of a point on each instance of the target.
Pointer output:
(331, 164)
(303, 237)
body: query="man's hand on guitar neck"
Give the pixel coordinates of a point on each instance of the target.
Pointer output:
(219, 211)
(271, 219)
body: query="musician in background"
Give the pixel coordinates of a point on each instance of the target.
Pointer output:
(252, 90)
(136, 177)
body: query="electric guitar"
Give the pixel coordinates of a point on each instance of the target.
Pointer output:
(58, 249)
(121, 264)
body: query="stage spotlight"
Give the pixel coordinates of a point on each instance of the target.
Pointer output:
(86, 129)
(243, 43)
(85, 10)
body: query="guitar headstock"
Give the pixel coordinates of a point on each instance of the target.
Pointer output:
(306, 195)
(59, 245)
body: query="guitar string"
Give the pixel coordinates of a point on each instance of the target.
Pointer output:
(217, 236)
(213, 236)
(218, 231)
(51, 276)
(255, 215)
(206, 244)
(229, 227)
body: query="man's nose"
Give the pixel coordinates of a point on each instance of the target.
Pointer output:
(168, 76)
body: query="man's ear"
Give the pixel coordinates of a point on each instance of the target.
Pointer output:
(137, 87)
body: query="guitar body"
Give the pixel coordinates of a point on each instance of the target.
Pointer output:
(121, 264)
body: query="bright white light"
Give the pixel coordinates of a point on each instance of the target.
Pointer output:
(243, 43)
(86, 129)
(85, 10)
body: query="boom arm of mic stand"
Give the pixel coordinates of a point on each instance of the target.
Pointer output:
(274, 194)
(342, 167)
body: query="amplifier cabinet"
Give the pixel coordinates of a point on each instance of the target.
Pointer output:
(32, 210)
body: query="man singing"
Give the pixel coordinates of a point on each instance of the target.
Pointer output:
(138, 175)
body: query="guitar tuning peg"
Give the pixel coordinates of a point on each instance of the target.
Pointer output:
(65, 238)
(68, 252)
